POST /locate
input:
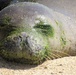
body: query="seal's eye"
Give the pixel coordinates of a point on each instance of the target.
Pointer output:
(5, 25)
(5, 22)
(45, 29)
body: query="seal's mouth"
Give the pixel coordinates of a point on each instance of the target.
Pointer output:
(25, 48)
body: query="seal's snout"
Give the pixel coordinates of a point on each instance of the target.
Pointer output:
(13, 43)
(23, 46)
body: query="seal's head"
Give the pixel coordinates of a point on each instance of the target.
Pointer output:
(25, 29)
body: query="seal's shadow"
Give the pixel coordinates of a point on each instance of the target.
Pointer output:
(14, 65)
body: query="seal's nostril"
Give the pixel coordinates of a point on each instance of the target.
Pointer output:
(17, 39)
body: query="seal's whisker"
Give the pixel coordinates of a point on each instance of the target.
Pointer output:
(63, 53)
(47, 58)
(57, 54)
(54, 56)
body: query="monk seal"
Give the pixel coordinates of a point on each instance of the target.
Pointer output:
(32, 33)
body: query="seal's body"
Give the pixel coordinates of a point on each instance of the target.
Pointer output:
(31, 33)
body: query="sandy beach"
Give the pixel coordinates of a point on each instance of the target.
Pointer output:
(61, 66)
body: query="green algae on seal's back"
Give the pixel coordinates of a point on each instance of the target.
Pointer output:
(31, 33)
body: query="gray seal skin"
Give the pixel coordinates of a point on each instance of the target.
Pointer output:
(32, 33)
